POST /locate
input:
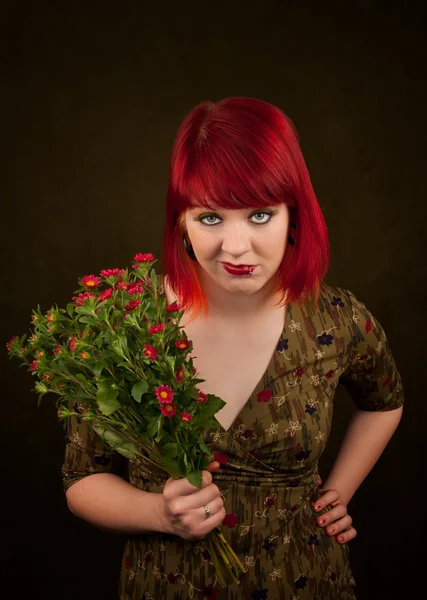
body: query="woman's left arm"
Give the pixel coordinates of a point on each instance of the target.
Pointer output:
(365, 440)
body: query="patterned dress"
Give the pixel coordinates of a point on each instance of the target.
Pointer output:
(269, 466)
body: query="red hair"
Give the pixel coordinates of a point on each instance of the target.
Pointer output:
(243, 152)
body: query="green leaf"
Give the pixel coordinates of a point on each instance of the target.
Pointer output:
(195, 478)
(97, 369)
(209, 423)
(80, 377)
(117, 441)
(138, 389)
(170, 449)
(152, 428)
(106, 399)
(89, 320)
(153, 276)
(204, 448)
(70, 309)
(174, 466)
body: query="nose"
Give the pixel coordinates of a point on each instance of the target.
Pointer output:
(236, 242)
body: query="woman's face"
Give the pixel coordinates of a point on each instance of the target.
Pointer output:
(245, 236)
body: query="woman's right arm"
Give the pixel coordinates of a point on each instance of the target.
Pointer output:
(95, 491)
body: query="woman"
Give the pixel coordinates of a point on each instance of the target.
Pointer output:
(273, 340)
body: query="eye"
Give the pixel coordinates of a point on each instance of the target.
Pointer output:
(257, 214)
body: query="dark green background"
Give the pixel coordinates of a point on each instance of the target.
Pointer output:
(92, 96)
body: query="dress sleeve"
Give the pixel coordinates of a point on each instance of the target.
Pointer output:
(370, 375)
(86, 454)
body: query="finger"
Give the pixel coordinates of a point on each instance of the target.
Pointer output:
(182, 487)
(346, 536)
(319, 481)
(201, 497)
(209, 523)
(329, 517)
(339, 526)
(214, 506)
(328, 497)
(213, 465)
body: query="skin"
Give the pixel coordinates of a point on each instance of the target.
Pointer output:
(250, 236)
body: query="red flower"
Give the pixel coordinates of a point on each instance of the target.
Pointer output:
(264, 395)
(329, 374)
(164, 394)
(182, 344)
(149, 556)
(150, 352)
(135, 288)
(201, 397)
(221, 458)
(368, 325)
(186, 417)
(174, 307)
(111, 272)
(132, 305)
(180, 374)
(230, 520)
(169, 410)
(105, 294)
(46, 377)
(209, 591)
(270, 501)
(299, 372)
(143, 258)
(248, 433)
(90, 281)
(72, 344)
(10, 342)
(156, 328)
(387, 381)
(84, 355)
(122, 285)
(172, 577)
(79, 300)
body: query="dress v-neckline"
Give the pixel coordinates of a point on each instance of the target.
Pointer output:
(289, 308)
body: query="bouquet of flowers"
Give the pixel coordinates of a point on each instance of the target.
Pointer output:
(118, 362)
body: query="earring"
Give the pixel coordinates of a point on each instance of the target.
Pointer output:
(291, 240)
(189, 248)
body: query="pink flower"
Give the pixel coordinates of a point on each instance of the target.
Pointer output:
(111, 272)
(132, 305)
(79, 300)
(143, 258)
(186, 417)
(182, 344)
(180, 374)
(164, 394)
(33, 365)
(10, 342)
(169, 410)
(156, 328)
(201, 397)
(174, 307)
(105, 294)
(90, 281)
(150, 352)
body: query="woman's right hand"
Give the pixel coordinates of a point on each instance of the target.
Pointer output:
(183, 506)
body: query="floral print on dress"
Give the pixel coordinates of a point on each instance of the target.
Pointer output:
(268, 466)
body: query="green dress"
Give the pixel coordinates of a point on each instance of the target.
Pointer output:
(269, 466)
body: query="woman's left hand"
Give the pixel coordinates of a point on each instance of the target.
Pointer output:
(337, 521)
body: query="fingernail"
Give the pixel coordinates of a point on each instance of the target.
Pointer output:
(322, 521)
(332, 530)
(341, 539)
(318, 506)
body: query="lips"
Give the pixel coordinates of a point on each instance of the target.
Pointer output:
(238, 266)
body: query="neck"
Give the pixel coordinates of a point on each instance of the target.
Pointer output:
(225, 304)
